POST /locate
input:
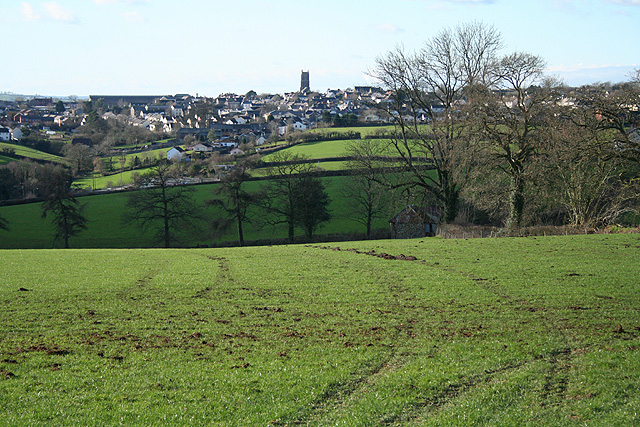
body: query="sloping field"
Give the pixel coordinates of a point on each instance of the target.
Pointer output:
(512, 331)
(32, 153)
(317, 149)
(115, 180)
(28, 230)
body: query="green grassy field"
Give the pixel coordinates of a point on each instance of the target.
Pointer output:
(149, 154)
(32, 153)
(317, 150)
(324, 149)
(105, 229)
(126, 177)
(512, 331)
(142, 144)
(364, 130)
(5, 160)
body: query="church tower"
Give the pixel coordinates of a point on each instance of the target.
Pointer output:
(304, 81)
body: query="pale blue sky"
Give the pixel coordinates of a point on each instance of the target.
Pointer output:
(82, 47)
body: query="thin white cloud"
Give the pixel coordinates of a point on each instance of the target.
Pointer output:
(60, 14)
(582, 67)
(48, 11)
(625, 2)
(474, 1)
(580, 74)
(132, 17)
(29, 13)
(390, 28)
(121, 1)
(442, 4)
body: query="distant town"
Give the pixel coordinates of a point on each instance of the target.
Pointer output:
(233, 117)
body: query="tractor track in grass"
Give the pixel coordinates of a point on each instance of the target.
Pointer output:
(337, 394)
(554, 387)
(556, 363)
(223, 276)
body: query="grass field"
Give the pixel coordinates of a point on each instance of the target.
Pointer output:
(149, 154)
(126, 177)
(142, 144)
(105, 229)
(5, 160)
(364, 130)
(317, 150)
(513, 331)
(32, 153)
(324, 149)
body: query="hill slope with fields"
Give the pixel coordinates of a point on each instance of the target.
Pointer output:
(513, 331)
(28, 230)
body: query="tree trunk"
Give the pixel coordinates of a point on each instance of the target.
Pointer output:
(240, 232)
(369, 217)
(516, 201)
(291, 231)
(451, 198)
(167, 236)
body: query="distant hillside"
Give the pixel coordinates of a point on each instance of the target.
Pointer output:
(12, 97)
(27, 229)
(30, 153)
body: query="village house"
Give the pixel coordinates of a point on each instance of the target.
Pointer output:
(202, 147)
(16, 134)
(176, 154)
(5, 134)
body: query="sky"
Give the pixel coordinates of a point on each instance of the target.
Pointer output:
(209, 47)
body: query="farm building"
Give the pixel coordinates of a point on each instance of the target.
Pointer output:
(414, 221)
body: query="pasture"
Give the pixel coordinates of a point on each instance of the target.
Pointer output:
(512, 331)
(106, 230)
(31, 153)
(317, 149)
(115, 180)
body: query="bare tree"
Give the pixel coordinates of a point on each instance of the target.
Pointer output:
(233, 198)
(79, 156)
(595, 189)
(613, 113)
(311, 203)
(589, 168)
(367, 192)
(508, 115)
(429, 87)
(164, 207)
(293, 197)
(67, 213)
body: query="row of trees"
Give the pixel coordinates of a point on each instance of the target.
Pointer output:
(53, 184)
(293, 196)
(501, 135)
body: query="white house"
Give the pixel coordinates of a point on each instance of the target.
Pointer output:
(5, 134)
(176, 154)
(299, 126)
(224, 144)
(201, 147)
(235, 121)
